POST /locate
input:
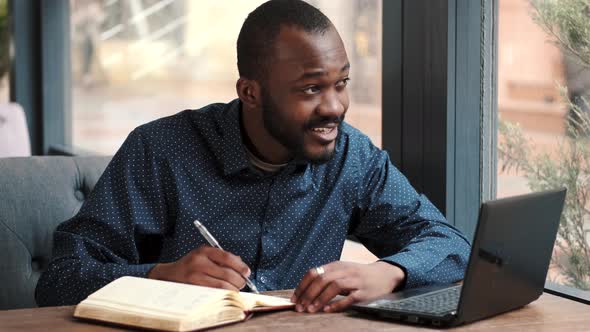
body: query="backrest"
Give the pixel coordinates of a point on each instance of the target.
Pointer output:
(37, 194)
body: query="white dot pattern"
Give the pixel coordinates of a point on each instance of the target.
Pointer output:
(193, 165)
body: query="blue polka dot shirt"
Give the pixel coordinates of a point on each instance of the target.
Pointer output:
(194, 165)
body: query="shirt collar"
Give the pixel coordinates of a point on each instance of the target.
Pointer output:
(234, 156)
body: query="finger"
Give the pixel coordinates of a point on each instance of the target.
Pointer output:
(307, 279)
(303, 284)
(208, 281)
(317, 286)
(339, 286)
(340, 305)
(226, 274)
(227, 259)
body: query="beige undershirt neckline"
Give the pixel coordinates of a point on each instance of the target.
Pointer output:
(262, 165)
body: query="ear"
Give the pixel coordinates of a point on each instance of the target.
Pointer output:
(249, 92)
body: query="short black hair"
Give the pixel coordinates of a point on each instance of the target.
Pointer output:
(262, 26)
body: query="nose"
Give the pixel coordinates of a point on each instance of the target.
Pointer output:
(332, 105)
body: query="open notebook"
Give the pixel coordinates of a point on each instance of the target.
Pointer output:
(170, 306)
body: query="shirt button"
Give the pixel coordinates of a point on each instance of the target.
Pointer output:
(263, 279)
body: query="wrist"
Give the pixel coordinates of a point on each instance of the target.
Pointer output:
(393, 273)
(157, 272)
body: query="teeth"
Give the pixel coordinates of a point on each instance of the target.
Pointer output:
(322, 130)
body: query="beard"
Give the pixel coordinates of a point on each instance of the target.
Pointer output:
(293, 138)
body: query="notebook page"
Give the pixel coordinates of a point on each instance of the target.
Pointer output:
(156, 295)
(253, 300)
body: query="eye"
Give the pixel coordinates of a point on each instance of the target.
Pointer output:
(311, 90)
(343, 82)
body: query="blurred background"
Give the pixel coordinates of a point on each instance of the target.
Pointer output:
(135, 61)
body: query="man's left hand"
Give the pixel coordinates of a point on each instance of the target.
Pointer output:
(358, 282)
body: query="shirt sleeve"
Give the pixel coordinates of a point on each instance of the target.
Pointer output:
(404, 228)
(124, 215)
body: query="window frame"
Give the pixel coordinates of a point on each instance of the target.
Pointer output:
(39, 28)
(439, 109)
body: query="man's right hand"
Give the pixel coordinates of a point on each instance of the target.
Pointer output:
(205, 266)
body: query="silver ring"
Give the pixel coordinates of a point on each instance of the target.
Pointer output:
(320, 270)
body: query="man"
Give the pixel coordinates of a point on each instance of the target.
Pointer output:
(276, 176)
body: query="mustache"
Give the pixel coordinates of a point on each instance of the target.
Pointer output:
(325, 120)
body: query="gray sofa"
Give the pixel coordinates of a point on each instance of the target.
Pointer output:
(36, 194)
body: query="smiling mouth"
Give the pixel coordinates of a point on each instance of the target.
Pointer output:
(323, 130)
(325, 134)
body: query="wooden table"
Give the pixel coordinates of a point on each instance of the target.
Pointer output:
(549, 313)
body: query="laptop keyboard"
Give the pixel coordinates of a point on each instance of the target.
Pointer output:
(438, 302)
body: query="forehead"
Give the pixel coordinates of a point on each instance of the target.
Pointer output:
(297, 52)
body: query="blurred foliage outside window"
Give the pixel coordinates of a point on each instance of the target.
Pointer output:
(567, 24)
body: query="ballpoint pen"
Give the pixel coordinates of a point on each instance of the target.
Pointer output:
(215, 244)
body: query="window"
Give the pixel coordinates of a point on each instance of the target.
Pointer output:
(136, 61)
(543, 139)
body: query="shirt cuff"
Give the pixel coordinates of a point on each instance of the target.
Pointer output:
(140, 270)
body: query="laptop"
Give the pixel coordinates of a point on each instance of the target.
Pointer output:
(507, 267)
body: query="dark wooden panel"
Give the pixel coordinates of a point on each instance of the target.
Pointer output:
(57, 99)
(468, 115)
(392, 97)
(425, 97)
(25, 78)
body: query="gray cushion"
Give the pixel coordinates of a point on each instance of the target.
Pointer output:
(36, 194)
